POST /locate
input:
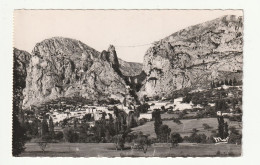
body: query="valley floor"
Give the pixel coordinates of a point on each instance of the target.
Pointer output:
(108, 150)
(186, 126)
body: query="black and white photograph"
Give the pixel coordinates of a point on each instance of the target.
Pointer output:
(127, 83)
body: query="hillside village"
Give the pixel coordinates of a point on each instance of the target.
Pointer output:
(187, 90)
(62, 110)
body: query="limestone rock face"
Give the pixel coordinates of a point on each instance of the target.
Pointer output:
(195, 56)
(20, 65)
(63, 67)
(130, 68)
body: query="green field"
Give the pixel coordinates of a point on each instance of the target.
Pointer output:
(156, 150)
(187, 125)
(108, 150)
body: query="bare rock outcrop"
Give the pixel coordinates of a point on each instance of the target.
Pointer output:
(130, 68)
(195, 56)
(63, 67)
(20, 65)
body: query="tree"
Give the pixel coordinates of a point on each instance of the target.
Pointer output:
(110, 117)
(19, 137)
(226, 130)
(156, 97)
(234, 81)
(222, 128)
(217, 84)
(194, 131)
(119, 141)
(75, 123)
(175, 138)
(43, 145)
(65, 122)
(196, 138)
(104, 114)
(212, 84)
(83, 132)
(233, 103)
(230, 82)
(131, 120)
(145, 98)
(143, 108)
(58, 136)
(51, 127)
(70, 135)
(44, 127)
(113, 101)
(35, 127)
(221, 105)
(46, 137)
(87, 117)
(187, 98)
(142, 142)
(164, 133)
(206, 126)
(107, 136)
(156, 115)
(116, 111)
(181, 115)
(235, 137)
(226, 82)
(100, 129)
(177, 121)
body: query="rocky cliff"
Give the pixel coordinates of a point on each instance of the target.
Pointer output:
(62, 67)
(130, 68)
(192, 57)
(195, 56)
(20, 65)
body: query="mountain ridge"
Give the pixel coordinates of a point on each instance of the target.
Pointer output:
(190, 58)
(63, 67)
(194, 56)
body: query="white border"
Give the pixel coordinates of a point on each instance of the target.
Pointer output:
(251, 97)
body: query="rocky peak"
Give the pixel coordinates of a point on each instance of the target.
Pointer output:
(62, 67)
(111, 49)
(194, 56)
(112, 56)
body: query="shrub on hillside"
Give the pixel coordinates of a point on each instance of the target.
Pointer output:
(182, 114)
(196, 138)
(234, 137)
(58, 136)
(211, 138)
(175, 138)
(142, 121)
(141, 142)
(143, 108)
(164, 133)
(70, 135)
(206, 126)
(208, 112)
(187, 98)
(235, 118)
(177, 121)
(119, 141)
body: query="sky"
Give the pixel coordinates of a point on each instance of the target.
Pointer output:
(130, 31)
